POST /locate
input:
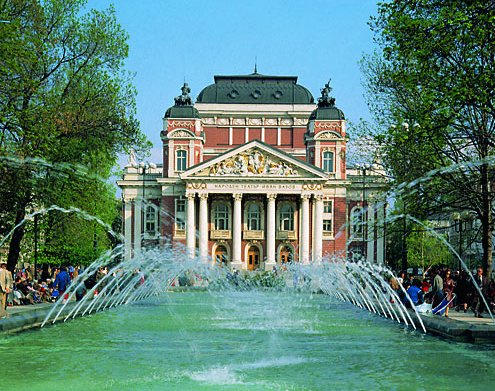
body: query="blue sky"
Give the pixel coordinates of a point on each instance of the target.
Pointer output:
(173, 40)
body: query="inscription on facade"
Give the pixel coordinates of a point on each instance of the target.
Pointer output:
(252, 186)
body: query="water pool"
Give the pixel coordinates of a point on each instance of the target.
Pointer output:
(252, 340)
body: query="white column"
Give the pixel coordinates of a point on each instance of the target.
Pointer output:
(263, 134)
(246, 134)
(305, 228)
(236, 229)
(203, 226)
(338, 161)
(380, 240)
(128, 229)
(318, 228)
(279, 135)
(171, 158)
(370, 227)
(138, 202)
(191, 225)
(270, 232)
(231, 135)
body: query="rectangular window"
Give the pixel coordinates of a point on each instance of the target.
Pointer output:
(327, 206)
(327, 225)
(150, 220)
(328, 161)
(181, 160)
(180, 214)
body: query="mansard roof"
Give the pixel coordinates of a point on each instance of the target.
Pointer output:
(255, 89)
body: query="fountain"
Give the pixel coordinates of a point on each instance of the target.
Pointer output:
(189, 324)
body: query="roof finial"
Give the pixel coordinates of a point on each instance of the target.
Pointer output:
(255, 65)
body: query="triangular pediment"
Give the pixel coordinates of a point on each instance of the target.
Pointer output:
(255, 160)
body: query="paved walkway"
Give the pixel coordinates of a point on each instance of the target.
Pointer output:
(470, 318)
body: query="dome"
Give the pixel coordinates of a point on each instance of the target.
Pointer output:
(325, 113)
(183, 107)
(182, 112)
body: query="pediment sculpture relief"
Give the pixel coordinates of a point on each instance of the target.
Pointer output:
(252, 163)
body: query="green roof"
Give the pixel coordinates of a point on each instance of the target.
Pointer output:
(182, 112)
(324, 113)
(255, 89)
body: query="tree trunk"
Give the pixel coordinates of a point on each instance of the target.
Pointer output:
(15, 241)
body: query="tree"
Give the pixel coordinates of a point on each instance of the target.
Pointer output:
(426, 249)
(65, 98)
(436, 66)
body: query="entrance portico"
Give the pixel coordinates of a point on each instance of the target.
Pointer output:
(284, 218)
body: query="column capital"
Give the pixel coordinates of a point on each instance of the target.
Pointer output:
(191, 196)
(318, 197)
(203, 196)
(271, 196)
(305, 197)
(237, 196)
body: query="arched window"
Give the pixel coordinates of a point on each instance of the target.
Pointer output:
(221, 217)
(328, 161)
(286, 218)
(151, 220)
(181, 160)
(357, 219)
(254, 217)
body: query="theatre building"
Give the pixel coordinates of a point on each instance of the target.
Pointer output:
(253, 174)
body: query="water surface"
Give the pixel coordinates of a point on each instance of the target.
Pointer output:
(240, 341)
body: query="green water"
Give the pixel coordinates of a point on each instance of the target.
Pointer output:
(239, 341)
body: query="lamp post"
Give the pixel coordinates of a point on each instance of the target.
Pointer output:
(35, 246)
(143, 169)
(364, 168)
(461, 221)
(405, 128)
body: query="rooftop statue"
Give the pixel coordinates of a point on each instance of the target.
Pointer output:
(184, 99)
(326, 100)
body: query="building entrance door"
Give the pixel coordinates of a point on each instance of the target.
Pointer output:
(285, 255)
(221, 255)
(253, 258)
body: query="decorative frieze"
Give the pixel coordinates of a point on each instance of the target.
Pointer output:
(181, 124)
(249, 163)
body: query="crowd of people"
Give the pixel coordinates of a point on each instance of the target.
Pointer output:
(22, 288)
(455, 289)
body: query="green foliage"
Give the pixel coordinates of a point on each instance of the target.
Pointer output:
(425, 248)
(435, 67)
(66, 99)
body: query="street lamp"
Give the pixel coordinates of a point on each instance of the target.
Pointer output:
(405, 127)
(364, 168)
(461, 225)
(143, 169)
(35, 247)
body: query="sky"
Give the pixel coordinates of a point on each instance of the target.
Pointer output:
(172, 41)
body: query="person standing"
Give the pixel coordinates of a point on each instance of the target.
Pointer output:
(5, 288)
(437, 288)
(480, 282)
(448, 289)
(462, 290)
(62, 281)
